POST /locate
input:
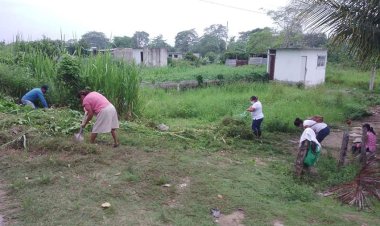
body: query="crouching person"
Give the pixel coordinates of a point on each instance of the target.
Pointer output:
(106, 116)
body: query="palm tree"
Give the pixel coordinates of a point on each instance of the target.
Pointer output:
(352, 22)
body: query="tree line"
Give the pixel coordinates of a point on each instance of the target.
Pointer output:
(299, 24)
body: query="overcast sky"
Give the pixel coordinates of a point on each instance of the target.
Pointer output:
(34, 18)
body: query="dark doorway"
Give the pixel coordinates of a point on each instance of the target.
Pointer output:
(272, 60)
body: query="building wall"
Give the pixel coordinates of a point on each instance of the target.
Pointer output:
(149, 57)
(289, 66)
(123, 53)
(156, 57)
(230, 62)
(257, 60)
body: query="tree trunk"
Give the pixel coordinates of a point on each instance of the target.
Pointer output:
(372, 79)
(343, 149)
(363, 154)
(300, 157)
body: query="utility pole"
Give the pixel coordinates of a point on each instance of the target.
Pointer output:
(227, 36)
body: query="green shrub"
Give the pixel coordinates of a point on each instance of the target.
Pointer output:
(211, 56)
(199, 80)
(277, 125)
(69, 80)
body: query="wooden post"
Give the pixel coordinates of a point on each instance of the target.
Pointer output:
(343, 148)
(300, 158)
(372, 79)
(363, 154)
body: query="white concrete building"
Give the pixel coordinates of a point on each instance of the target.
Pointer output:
(156, 57)
(297, 65)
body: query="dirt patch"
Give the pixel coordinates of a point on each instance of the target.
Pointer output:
(8, 207)
(233, 219)
(278, 223)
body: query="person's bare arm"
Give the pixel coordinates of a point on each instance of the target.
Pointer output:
(251, 109)
(90, 114)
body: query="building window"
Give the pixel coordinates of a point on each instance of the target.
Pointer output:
(321, 62)
(175, 56)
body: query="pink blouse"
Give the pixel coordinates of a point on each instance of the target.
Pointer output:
(371, 142)
(95, 101)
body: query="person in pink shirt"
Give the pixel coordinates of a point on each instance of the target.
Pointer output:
(107, 121)
(371, 139)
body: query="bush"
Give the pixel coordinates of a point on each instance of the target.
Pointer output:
(70, 81)
(211, 57)
(199, 80)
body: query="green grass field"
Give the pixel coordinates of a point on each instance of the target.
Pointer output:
(207, 162)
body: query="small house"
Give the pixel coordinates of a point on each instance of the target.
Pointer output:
(297, 65)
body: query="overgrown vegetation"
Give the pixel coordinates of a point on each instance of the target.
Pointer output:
(26, 65)
(206, 159)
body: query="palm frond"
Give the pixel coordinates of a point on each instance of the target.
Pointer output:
(354, 22)
(365, 185)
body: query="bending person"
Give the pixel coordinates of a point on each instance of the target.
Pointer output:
(321, 129)
(31, 97)
(106, 116)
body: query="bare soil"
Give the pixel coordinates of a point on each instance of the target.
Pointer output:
(233, 219)
(8, 207)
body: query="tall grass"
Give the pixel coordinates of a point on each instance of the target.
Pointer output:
(29, 66)
(15, 81)
(281, 104)
(118, 80)
(337, 75)
(212, 71)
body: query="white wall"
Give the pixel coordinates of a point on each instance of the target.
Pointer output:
(288, 66)
(137, 55)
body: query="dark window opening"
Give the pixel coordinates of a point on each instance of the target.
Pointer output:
(321, 61)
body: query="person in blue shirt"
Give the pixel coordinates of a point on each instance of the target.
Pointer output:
(31, 97)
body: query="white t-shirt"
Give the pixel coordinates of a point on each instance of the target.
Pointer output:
(309, 134)
(316, 126)
(258, 112)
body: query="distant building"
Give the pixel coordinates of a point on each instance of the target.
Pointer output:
(235, 62)
(297, 65)
(179, 55)
(175, 55)
(155, 57)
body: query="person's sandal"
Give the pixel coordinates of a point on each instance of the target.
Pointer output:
(116, 145)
